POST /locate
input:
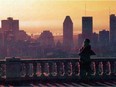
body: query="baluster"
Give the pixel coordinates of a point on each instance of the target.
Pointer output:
(0, 70)
(108, 69)
(23, 70)
(54, 69)
(115, 68)
(93, 70)
(112, 67)
(27, 69)
(50, 68)
(39, 70)
(58, 68)
(30, 70)
(3, 70)
(42, 68)
(61, 69)
(35, 69)
(97, 68)
(68, 68)
(76, 68)
(104, 68)
(73, 68)
(100, 68)
(46, 69)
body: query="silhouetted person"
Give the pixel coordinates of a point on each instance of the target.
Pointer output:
(85, 61)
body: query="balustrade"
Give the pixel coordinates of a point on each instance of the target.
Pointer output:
(57, 67)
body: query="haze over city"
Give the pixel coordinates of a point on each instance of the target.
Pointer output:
(38, 15)
(57, 43)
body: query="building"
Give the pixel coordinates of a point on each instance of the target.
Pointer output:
(10, 29)
(87, 31)
(11, 35)
(46, 41)
(79, 41)
(94, 39)
(104, 37)
(10, 25)
(58, 45)
(67, 33)
(112, 29)
(22, 36)
(87, 27)
(104, 48)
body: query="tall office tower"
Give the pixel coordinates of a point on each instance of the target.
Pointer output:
(67, 33)
(10, 25)
(10, 29)
(104, 48)
(46, 39)
(112, 29)
(87, 27)
(104, 38)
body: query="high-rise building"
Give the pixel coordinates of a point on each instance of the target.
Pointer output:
(87, 27)
(46, 39)
(112, 29)
(104, 38)
(9, 28)
(46, 42)
(22, 36)
(10, 25)
(67, 33)
(104, 46)
(94, 40)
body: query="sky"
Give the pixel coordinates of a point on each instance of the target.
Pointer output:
(36, 16)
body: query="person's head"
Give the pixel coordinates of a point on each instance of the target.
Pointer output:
(86, 42)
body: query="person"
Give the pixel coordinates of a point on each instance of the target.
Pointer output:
(85, 61)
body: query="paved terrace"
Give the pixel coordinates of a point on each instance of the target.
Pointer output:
(56, 72)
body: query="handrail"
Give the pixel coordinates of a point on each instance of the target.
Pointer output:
(57, 68)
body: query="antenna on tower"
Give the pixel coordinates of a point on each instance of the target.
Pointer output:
(109, 11)
(85, 8)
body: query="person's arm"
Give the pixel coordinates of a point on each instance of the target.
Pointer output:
(85, 50)
(80, 51)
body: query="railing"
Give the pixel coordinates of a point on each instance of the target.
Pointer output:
(56, 69)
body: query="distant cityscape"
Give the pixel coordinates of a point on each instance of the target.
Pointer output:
(17, 43)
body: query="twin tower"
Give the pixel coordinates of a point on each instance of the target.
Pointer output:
(87, 30)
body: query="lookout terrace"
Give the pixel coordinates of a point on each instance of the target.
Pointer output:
(56, 72)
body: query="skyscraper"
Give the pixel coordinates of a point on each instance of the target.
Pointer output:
(112, 29)
(46, 39)
(104, 38)
(87, 27)
(10, 25)
(68, 33)
(10, 29)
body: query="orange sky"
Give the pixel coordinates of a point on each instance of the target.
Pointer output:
(38, 15)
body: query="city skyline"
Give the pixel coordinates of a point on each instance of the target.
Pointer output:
(16, 42)
(38, 15)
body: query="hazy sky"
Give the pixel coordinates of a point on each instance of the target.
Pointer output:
(38, 15)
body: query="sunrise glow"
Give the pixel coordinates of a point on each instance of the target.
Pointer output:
(38, 15)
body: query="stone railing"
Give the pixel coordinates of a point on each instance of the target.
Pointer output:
(55, 69)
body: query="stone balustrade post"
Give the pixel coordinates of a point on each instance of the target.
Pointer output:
(13, 68)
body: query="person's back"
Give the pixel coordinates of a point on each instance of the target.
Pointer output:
(85, 61)
(84, 53)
